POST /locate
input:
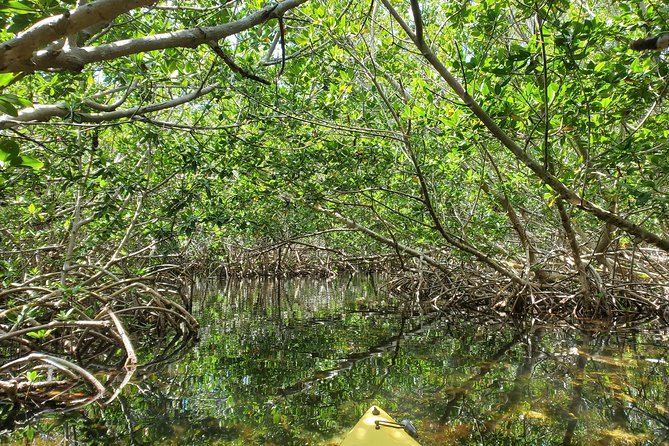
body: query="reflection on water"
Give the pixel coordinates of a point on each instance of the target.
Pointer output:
(297, 363)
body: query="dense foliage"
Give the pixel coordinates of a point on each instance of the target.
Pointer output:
(528, 139)
(505, 155)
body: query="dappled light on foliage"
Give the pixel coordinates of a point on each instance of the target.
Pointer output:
(506, 159)
(519, 146)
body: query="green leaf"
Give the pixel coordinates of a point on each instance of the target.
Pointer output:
(18, 8)
(15, 100)
(600, 66)
(28, 161)
(7, 108)
(552, 91)
(40, 334)
(10, 153)
(9, 150)
(518, 53)
(30, 433)
(5, 79)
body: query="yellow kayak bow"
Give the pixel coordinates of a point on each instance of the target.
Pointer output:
(377, 428)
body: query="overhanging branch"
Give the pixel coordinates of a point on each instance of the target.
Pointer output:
(546, 177)
(74, 58)
(380, 238)
(16, 53)
(43, 113)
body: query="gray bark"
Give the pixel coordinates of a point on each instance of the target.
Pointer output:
(23, 53)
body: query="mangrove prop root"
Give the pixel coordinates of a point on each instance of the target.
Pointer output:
(614, 295)
(66, 346)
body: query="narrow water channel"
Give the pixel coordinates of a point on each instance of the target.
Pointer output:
(298, 362)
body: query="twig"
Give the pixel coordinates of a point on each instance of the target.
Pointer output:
(234, 67)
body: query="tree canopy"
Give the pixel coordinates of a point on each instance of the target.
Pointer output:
(518, 147)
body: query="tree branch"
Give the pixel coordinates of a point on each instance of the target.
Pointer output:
(17, 52)
(43, 113)
(111, 107)
(229, 61)
(382, 239)
(546, 177)
(73, 58)
(659, 42)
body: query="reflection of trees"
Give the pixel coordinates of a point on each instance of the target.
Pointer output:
(77, 341)
(111, 423)
(272, 368)
(638, 388)
(520, 384)
(576, 400)
(627, 387)
(390, 344)
(561, 387)
(458, 394)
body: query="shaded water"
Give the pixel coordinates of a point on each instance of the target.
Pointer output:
(296, 363)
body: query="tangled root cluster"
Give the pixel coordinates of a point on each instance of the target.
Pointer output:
(68, 343)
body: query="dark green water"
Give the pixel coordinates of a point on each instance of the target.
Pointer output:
(297, 363)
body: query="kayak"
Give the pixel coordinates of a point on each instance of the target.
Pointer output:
(377, 428)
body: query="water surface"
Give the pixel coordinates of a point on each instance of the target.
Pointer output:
(297, 362)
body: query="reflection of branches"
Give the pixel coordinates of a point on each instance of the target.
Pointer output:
(73, 330)
(467, 386)
(390, 344)
(576, 401)
(67, 368)
(522, 378)
(637, 397)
